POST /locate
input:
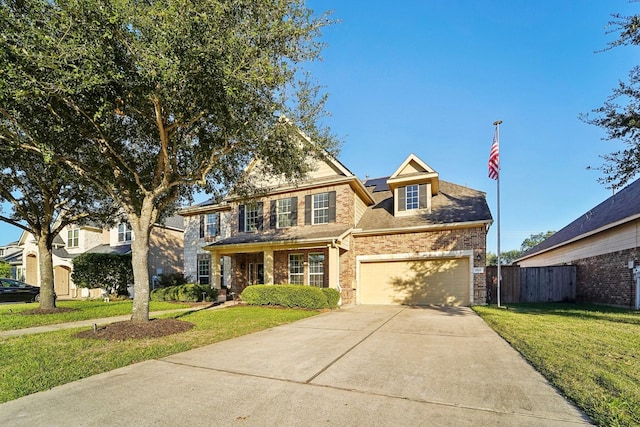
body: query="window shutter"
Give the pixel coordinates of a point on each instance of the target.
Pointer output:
(402, 199)
(241, 218)
(332, 206)
(201, 226)
(260, 216)
(218, 224)
(422, 196)
(273, 214)
(294, 211)
(307, 209)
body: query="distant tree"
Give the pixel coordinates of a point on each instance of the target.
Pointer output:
(44, 196)
(5, 269)
(161, 97)
(620, 114)
(506, 258)
(535, 239)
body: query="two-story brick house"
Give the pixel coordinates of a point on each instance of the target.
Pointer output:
(406, 239)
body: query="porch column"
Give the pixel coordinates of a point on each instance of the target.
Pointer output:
(334, 267)
(215, 270)
(268, 266)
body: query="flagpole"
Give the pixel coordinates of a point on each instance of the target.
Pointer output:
(497, 124)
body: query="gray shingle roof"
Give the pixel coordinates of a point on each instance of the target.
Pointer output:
(622, 205)
(108, 249)
(453, 204)
(292, 234)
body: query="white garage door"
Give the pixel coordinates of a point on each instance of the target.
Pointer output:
(415, 282)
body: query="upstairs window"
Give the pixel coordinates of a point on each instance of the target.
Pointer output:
(209, 225)
(124, 232)
(73, 237)
(320, 208)
(250, 217)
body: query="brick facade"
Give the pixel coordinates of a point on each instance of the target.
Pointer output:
(461, 239)
(607, 279)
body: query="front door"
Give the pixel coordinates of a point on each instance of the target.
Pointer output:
(256, 274)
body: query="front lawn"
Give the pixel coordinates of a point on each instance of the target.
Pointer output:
(10, 317)
(591, 353)
(33, 363)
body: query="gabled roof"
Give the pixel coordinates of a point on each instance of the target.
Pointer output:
(454, 204)
(620, 208)
(414, 170)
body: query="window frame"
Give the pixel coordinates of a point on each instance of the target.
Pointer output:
(282, 213)
(412, 197)
(252, 210)
(320, 214)
(204, 261)
(314, 273)
(211, 227)
(73, 237)
(125, 235)
(299, 273)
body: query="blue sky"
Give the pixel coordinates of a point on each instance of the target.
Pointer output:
(430, 77)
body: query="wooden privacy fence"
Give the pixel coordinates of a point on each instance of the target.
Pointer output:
(532, 284)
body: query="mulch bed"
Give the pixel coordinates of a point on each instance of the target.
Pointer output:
(121, 331)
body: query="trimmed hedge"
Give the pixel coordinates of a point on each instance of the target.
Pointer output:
(333, 296)
(291, 296)
(184, 293)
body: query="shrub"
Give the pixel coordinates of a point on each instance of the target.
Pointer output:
(166, 280)
(189, 292)
(112, 272)
(333, 296)
(290, 296)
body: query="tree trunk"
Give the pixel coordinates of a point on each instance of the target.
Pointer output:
(141, 227)
(45, 266)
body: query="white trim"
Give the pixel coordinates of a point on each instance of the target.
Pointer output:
(408, 256)
(417, 228)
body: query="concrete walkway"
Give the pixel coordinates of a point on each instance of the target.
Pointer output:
(378, 366)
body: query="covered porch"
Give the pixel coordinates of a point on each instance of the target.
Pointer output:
(281, 258)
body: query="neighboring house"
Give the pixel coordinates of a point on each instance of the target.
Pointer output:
(165, 254)
(604, 244)
(406, 239)
(11, 253)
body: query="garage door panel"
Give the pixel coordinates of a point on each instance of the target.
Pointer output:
(415, 282)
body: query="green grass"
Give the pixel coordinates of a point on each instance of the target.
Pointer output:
(591, 353)
(10, 317)
(33, 363)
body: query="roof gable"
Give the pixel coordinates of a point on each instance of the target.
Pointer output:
(622, 207)
(412, 171)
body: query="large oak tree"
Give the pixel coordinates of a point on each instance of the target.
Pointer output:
(162, 97)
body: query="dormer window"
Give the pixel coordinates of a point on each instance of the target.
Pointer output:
(413, 184)
(412, 197)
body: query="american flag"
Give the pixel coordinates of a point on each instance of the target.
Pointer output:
(494, 158)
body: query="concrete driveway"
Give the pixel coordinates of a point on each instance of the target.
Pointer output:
(367, 365)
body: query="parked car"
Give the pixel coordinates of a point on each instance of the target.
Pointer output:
(16, 291)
